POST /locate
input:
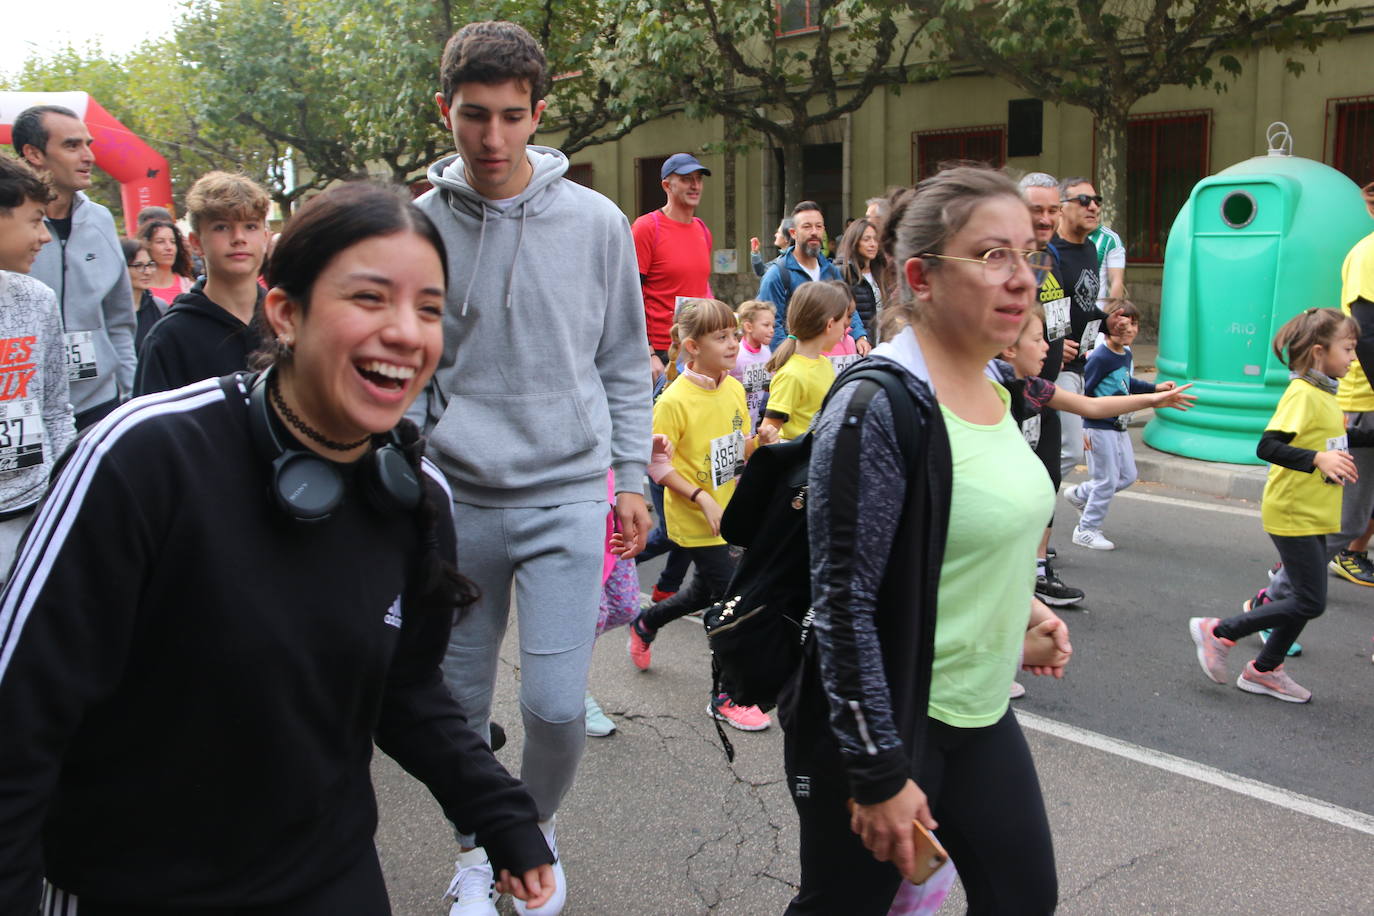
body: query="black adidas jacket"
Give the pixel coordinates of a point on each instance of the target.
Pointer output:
(190, 683)
(197, 339)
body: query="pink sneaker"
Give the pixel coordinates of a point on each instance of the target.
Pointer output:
(745, 718)
(1211, 650)
(1275, 683)
(640, 650)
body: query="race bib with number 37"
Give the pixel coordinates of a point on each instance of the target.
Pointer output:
(80, 355)
(21, 434)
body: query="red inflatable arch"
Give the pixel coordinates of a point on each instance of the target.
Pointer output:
(140, 169)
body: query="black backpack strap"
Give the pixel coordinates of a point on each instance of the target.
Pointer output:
(903, 405)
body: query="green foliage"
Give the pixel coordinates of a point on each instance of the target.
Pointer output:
(149, 91)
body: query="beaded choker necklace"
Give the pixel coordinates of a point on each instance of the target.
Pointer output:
(300, 425)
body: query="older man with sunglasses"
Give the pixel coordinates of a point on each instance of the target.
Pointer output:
(1076, 267)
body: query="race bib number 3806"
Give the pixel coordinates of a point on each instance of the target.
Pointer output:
(80, 355)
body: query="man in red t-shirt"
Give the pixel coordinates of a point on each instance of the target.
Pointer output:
(674, 251)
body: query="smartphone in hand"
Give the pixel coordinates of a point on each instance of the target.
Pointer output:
(930, 855)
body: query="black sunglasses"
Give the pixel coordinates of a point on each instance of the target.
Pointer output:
(1083, 199)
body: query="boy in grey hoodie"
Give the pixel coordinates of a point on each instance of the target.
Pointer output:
(542, 388)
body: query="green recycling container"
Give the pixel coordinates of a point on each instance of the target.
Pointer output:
(1254, 245)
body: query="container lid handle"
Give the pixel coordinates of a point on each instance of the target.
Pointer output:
(1280, 139)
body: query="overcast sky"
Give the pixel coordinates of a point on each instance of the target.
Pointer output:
(33, 27)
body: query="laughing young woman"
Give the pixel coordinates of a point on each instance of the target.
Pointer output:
(231, 591)
(923, 604)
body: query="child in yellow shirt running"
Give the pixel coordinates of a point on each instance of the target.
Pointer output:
(1307, 446)
(705, 418)
(801, 374)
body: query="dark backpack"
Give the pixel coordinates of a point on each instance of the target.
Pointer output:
(757, 633)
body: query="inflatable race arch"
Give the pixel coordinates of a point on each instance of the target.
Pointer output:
(141, 171)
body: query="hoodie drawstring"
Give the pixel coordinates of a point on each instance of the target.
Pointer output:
(477, 262)
(515, 258)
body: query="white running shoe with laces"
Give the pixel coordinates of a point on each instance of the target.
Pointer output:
(473, 887)
(1092, 539)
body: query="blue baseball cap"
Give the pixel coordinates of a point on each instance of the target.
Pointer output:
(682, 164)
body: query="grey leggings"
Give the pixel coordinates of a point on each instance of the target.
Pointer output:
(553, 558)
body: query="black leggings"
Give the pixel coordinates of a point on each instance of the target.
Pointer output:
(358, 891)
(714, 567)
(1304, 561)
(984, 794)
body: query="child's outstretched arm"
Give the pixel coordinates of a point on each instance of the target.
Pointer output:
(1179, 398)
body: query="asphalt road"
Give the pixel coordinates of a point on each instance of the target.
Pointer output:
(1166, 793)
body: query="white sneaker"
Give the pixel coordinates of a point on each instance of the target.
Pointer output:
(560, 890)
(1092, 538)
(1075, 500)
(473, 886)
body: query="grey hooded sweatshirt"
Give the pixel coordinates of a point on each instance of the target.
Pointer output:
(544, 381)
(88, 275)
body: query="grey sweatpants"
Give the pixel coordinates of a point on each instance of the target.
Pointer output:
(553, 557)
(1357, 503)
(1112, 463)
(1070, 426)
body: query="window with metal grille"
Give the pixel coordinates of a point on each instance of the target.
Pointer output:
(930, 148)
(797, 16)
(1166, 154)
(1351, 123)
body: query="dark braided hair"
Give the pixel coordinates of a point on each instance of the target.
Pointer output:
(435, 582)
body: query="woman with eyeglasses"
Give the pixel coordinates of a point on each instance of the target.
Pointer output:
(147, 307)
(924, 609)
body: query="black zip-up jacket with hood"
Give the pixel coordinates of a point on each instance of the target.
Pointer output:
(191, 683)
(875, 579)
(197, 339)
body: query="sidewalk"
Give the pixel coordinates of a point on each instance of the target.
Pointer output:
(1212, 478)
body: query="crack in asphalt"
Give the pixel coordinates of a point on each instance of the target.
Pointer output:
(1117, 869)
(725, 866)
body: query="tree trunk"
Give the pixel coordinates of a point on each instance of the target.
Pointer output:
(728, 180)
(1111, 165)
(793, 179)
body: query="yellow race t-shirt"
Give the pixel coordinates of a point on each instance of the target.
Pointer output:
(797, 390)
(1357, 282)
(1295, 503)
(707, 429)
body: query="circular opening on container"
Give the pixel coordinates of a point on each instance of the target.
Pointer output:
(1238, 209)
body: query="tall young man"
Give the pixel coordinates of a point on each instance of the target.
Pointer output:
(543, 386)
(802, 262)
(1077, 268)
(1042, 194)
(83, 263)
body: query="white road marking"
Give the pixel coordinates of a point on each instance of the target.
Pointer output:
(1241, 785)
(1187, 503)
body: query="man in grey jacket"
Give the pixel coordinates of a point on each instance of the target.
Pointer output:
(83, 264)
(542, 388)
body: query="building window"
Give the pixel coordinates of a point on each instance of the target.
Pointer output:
(798, 16)
(1350, 124)
(1166, 154)
(582, 174)
(649, 194)
(931, 148)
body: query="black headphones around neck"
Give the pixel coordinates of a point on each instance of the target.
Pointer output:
(307, 487)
